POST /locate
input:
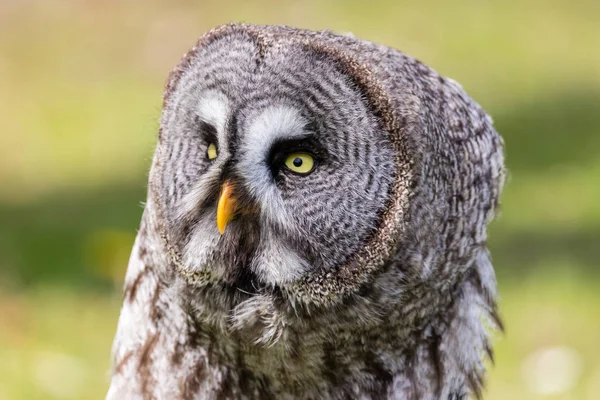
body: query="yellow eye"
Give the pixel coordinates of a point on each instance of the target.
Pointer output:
(211, 152)
(301, 163)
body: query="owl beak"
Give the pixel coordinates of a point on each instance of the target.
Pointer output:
(227, 206)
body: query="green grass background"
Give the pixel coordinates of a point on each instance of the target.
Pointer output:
(80, 95)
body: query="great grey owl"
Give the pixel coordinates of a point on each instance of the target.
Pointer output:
(315, 227)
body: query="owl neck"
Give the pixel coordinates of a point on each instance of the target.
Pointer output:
(174, 341)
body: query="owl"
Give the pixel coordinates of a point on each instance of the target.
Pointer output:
(315, 227)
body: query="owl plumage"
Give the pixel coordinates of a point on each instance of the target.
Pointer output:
(315, 227)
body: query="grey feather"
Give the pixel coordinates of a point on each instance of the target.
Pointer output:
(367, 278)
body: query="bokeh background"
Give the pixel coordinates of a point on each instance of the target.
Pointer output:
(80, 96)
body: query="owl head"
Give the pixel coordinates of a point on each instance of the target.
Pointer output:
(299, 165)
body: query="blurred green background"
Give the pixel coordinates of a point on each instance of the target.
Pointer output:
(80, 96)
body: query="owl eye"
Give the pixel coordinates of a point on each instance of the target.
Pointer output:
(211, 151)
(300, 163)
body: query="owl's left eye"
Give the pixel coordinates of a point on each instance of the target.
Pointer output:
(299, 156)
(211, 151)
(300, 163)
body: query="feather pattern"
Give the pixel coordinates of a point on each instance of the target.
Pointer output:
(368, 278)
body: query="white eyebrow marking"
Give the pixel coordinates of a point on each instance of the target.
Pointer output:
(275, 122)
(213, 108)
(269, 125)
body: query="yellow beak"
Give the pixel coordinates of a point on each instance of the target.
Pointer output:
(227, 206)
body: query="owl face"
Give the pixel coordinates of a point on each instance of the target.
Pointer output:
(270, 164)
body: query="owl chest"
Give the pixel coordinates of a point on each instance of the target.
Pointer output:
(228, 374)
(305, 367)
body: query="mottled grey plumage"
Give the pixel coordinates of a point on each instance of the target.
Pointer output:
(367, 278)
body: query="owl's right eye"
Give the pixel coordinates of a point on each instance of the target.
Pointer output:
(211, 151)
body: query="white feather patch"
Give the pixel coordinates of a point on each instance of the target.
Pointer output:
(272, 124)
(213, 108)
